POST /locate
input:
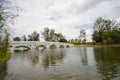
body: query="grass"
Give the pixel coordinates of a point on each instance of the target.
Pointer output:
(86, 45)
(91, 45)
(4, 59)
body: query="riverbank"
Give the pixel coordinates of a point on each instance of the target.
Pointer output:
(4, 59)
(78, 46)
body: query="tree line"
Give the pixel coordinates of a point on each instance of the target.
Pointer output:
(48, 35)
(32, 37)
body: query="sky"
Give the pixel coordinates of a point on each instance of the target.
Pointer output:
(65, 16)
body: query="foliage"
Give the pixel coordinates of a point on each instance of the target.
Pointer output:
(62, 40)
(82, 36)
(46, 33)
(3, 59)
(24, 38)
(33, 37)
(75, 41)
(106, 31)
(16, 39)
(50, 35)
(8, 11)
(102, 24)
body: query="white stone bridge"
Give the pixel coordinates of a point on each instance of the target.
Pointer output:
(35, 44)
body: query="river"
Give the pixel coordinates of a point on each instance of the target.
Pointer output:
(85, 63)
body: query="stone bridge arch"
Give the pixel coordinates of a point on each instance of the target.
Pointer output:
(67, 46)
(20, 46)
(40, 45)
(61, 46)
(52, 46)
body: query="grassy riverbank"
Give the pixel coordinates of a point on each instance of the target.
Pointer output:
(78, 46)
(4, 59)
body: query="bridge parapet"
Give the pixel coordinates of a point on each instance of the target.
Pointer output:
(34, 44)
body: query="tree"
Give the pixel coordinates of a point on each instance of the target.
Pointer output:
(8, 12)
(75, 41)
(97, 37)
(58, 37)
(46, 34)
(16, 39)
(29, 38)
(106, 31)
(83, 36)
(63, 40)
(102, 24)
(24, 38)
(33, 37)
(50, 35)
(5, 43)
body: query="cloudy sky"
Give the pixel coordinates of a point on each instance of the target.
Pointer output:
(65, 16)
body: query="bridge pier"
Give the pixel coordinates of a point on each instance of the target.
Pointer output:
(57, 46)
(32, 46)
(47, 47)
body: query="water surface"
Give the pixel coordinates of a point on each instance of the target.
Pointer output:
(86, 63)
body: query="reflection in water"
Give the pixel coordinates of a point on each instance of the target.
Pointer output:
(83, 54)
(31, 56)
(34, 57)
(3, 72)
(108, 62)
(51, 57)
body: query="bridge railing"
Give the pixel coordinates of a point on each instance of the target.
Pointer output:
(35, 42)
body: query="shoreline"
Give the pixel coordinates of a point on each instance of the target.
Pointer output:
(78, 46)
(4, 60)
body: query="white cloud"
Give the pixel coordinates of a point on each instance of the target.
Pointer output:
(66, 16)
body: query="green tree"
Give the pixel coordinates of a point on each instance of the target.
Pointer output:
(97, 37)
(16, 39)
(33, 37)
(46, 34)
(57, 37)
(24, 38)
(50, 35)
(63, 40)
(115, 36)
(8, 12)
(82, 36)
(29, 38)
(102, 24)
(106, 31)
